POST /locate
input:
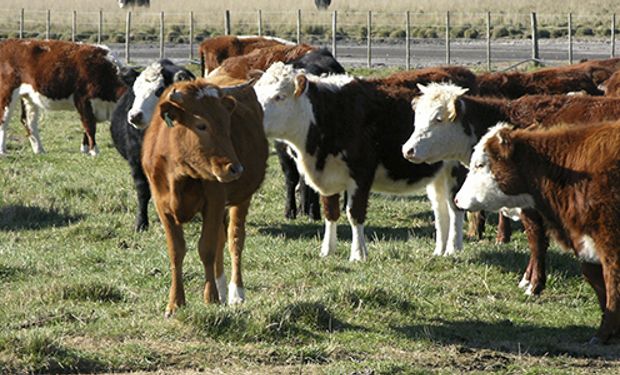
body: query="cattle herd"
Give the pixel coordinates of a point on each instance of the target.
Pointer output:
(543, 144)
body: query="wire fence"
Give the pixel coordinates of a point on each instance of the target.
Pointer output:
(356, 37)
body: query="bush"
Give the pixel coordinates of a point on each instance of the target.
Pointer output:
(544, 34)
(430, 33)
(584, 31)
(500, 32)
(471, 34)
(558, 33)
(398, 34)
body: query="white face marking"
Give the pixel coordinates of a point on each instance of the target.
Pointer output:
(438, 134)
(587, 252)
(480, 189)
(147, 88)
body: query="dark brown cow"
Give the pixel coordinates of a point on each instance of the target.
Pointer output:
(583, 77)
(55, 75)
(205, 151)
(612, 85)
(261, 59)
(214, 51)
(571, 175)
(448, 124)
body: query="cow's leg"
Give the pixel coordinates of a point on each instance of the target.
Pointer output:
(144, 194)
(220, 275)
(610, 260)
(477, 221)
(504, 229)
(213, 216)
(437, 191)
(32, 124)
(85, 109)
(291, 178)
(456, 217)
(357, 205)
(176, 253)
(309, 200)
(8, 99)
(331, 211)
(535, 277)
(236, 241)
(593, 273)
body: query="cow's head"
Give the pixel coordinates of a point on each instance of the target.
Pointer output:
(439, 133)
(199, 117)
(149, 86)
(493, 180)
(131, 3)
(281, 92)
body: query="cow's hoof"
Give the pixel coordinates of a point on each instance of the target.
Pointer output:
(84, 149)
(524, 283)
(236, 295)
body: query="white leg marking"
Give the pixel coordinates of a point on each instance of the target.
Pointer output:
(359, 252)
(524, 283)
(94, 151)
(329, 238)
(456, 217)
(222, 289)
(236, 295)
(32, 122)
(4, 121)
(84, 149)
(435, 191)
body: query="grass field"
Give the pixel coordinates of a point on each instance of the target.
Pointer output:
(81, 292)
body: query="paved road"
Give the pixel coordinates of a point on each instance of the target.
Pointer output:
(423, 52)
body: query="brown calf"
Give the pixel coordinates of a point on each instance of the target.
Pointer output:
(205, 151)
(571, 175)
(214, 51)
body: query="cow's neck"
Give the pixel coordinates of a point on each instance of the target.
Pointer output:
(481, 114)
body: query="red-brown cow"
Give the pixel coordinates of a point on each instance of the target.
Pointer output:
(56, 75)
(214, 51)
(571, 175)
(205, 151)
(612, 85)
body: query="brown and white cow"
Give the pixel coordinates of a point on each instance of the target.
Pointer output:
(53, 75)
(449, 123)
(571, 175)
(214, 51)
(205, 151)
(347, 133)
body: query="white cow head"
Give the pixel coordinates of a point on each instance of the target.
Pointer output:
(438, 132)
(485, 188)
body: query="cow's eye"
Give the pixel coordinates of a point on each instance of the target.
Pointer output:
(278, 98)
(159, 91)
(438, 119)
(201, 127)
(479, 166)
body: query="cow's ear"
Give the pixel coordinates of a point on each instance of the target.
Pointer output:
(414, 102)
(301, 85)
(422, 88)
(128, 75)
(229, 103)
(506, 145)
(169, 109)
(455, 108)
(183, 75)
(254, 75)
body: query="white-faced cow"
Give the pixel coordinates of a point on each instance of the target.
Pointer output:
(571, 175)
(54, 75)
(449, 123)
(134, 110)
(205, 151)
(347, 134)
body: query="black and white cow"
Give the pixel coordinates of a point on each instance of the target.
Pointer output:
(347, 135)
(133, 3)
(136, 108)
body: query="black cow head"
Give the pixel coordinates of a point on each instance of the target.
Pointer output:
(133, 3)
(322, 4)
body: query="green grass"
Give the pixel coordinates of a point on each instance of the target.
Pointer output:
(81, 292)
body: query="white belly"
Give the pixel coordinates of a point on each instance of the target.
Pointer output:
(587, 252)
(384, 184)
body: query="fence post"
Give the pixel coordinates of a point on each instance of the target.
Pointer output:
(448, 37)
(73, 25)
(534, 37)
(570, 38)
(407, 41)
(613, 35)
(227, 22)
(334, 19)
(369, 40)
(21, 23)
(298, 26)
(260, 22)
(161, 35)
(100, 28)
(127, 36)
(489, 41)
(191, 35)
(48, 24)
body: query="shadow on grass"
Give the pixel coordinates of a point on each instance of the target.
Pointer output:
(510, 260)
(310, 231)
(17, 217)
(504, 336)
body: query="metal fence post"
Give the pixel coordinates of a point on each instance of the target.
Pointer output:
(613, 35)
(48, 26)
(73, 25)
(534, 37)
(161, 35)
(448, 37)
(488, 41)
(407, 41)
(227, 22)
(298, 26)
(260, 22)
(127, 37)
(570, 38)
(100, 28)
(21, 23)
(369, 40)
(191, 35)
(334, 19)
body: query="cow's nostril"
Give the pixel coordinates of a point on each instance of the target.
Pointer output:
(235, 169)
(456, 201)
(135, 118)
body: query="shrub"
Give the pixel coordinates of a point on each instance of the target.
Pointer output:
(500, 32)
(584, 31)
(471, 34)
(398, 34)
(544, 34)
(558, 33)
